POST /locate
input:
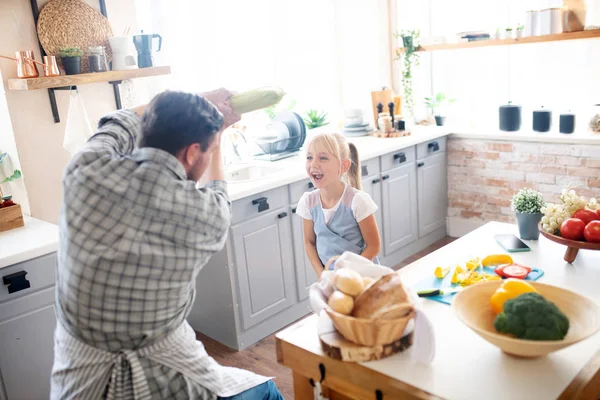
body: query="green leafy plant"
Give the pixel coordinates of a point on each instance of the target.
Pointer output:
(437, 102)
(410, 56)
(528, 201)
(315, 119)
(520, 27)
(15, 175)
(509, 29)
(67, 52)
(276, 108)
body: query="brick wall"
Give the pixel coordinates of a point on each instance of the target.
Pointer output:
(483, 175)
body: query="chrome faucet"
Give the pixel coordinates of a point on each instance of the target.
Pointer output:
(230, 141)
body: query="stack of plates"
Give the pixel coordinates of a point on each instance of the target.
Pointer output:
(356, 130)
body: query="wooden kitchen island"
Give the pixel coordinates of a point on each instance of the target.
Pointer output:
(465, 365)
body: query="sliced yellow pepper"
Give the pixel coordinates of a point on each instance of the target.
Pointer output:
(457, 275)
(473, 263)
(496, 259)
(510, 289)
(441, 272)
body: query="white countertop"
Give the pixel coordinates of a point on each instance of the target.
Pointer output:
(523, 135)
(292, 169)
(465, 364)
(35, 239)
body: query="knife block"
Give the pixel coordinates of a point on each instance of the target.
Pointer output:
(11, 218)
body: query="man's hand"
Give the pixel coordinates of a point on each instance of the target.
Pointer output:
(220, 98)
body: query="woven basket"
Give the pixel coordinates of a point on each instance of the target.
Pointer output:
(371, 332)
(72, 23)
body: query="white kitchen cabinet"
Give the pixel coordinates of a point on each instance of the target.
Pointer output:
(399, 190)
(305, 273)
(27, 324)
(432, 193)
(264, 266)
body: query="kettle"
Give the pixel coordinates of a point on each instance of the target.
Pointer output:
(25, 64)
(144, 46)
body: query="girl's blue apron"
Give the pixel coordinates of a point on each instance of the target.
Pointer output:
(342, 233)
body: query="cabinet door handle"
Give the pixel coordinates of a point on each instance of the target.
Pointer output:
(385, 177)
(433, 146)
(294, 210)
(282, 215)
(376, 180)
(420, 164)
(262, 204)
(16, 282)
(310, 185)
(364, 170)
(401, 157)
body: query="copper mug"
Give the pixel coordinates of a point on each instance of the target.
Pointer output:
(50, 65)
(25, 64)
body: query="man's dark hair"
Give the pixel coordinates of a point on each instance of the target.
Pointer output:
(174, 120)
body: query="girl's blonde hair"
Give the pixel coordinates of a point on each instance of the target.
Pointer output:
(336, 145)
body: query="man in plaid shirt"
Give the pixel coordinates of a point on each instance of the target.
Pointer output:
(134, 232)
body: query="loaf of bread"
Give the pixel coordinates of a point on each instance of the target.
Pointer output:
(385, 293)
(348, 281)
(341, 302)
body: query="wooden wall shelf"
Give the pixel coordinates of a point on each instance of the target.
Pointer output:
(509, 42)
(82, 79)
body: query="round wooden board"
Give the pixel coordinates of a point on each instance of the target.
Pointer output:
(337, 347)
(573, 246)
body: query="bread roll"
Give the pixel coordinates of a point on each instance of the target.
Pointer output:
(386, 292)
(341, 302)
(348, 281)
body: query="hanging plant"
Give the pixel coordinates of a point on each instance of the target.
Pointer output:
(410, 56)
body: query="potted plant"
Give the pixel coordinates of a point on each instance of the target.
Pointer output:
(315, 119)
(11, 215)
(71, 60)
(527, 205)
(436, 103)
(520, 30)
(410, 39)
(508, 33)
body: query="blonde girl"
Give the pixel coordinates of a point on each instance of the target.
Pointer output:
(338, 215)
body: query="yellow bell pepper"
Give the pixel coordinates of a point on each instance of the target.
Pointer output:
(441, 272)
(496, 259)
(510, 289)
(473, 263)
(457, 276)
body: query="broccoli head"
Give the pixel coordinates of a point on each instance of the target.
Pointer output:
(530, 316)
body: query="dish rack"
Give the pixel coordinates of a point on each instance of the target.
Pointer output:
(273, 150)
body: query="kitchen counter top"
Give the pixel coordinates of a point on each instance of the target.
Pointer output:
(530, 136)
(292, 169)
(35, 239)
(465, 365)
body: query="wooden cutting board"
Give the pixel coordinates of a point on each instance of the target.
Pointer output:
(337, 347)
(384, 97)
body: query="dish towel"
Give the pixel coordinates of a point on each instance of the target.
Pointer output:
(78, 129)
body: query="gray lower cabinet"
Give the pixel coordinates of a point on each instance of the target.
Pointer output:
(305, 273)
(400, 224)
(432, 193)
(372, 186)
(264, 257)
(27, 324)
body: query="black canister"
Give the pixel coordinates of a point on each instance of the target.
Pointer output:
(400, 125)
(567, 123)
(542, 119)
(510, 117)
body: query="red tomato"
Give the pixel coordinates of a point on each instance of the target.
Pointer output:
(592, 232)
(599, 212)
(513, 271)
(586, 216)
(572, 229)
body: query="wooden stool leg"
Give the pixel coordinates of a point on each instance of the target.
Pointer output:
(571, 254)
(302, 388)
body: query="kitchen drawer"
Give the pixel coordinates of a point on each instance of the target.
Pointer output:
(370, 167)
(432, 147)
(397, 158)
(39, 275)
(297, 189)
(259, 204)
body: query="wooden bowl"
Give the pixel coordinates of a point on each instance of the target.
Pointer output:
(472, 307)
(573, 246)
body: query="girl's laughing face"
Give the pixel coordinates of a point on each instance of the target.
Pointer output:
(322, 168)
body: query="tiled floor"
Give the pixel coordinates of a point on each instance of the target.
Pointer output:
(261, 358)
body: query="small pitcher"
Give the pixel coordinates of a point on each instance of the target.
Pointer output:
(25, 64)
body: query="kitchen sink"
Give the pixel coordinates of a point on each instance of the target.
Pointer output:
(249, 173)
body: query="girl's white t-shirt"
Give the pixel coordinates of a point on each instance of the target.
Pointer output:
(362, 206)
